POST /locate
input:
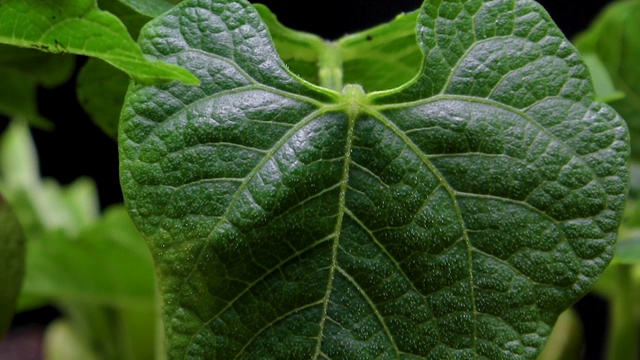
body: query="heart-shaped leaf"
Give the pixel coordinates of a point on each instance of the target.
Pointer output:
(452, 218)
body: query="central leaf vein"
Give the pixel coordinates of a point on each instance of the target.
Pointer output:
(344, 185)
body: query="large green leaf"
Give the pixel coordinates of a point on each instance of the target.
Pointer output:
(614, 38)
(455, 217)
(79, 27)
(11, 263)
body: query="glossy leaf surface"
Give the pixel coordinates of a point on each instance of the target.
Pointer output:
(452, 218)
(79, 27)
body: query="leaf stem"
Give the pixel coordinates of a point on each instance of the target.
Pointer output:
(623, 336)
(330, 66)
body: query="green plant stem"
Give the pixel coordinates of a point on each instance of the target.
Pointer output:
(330, 66)
(623, 336)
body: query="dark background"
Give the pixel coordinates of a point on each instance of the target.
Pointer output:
(78, 148)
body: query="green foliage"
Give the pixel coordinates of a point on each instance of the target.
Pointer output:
(389, 61)
(566, 340)
(614, 39)
(96, 269)
(12, 255)
(101, 90)
(22, 71)
(79, 27)
(449, 202)
(453, 217)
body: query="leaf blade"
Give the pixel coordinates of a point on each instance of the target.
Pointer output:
(79, 27)
(346, 225)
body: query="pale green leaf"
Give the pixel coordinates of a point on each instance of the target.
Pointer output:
(384, 57)
(150, 8)
(106, 264)
(566, 339)
(62, 342)
(602, 82)
(103, 282)
(12, 253)
(79, 27)
(18, 158)
(380, 58)
(41, 205)
(628, 250)
(454, 217)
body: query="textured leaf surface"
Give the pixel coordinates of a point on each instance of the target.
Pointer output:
(12, 263)
(79, 27)
(299, 50)
(614, 38)
(453, 218)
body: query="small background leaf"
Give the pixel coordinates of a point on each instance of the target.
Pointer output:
(566, 339)
(603, 84)
(380, 58)
(41, 205)
(12, 254)
(133, 20)
(79, 27)
(22, 71)
(299, 50)
(62, 342)
(150, 8)
(614, 39)
(383, 57)
(101, 89)
(628, 250)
